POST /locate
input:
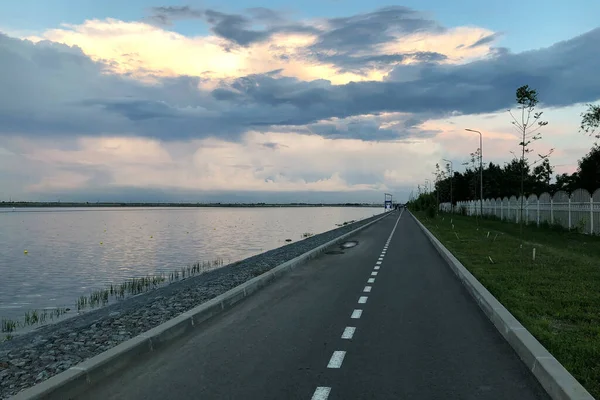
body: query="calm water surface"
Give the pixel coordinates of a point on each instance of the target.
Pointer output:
(66, 259)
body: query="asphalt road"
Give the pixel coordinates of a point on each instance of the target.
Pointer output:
(419, 335)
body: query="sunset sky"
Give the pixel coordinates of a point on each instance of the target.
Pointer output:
(331, 100)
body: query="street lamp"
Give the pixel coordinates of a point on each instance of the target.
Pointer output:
(480, 169)
(451, 178)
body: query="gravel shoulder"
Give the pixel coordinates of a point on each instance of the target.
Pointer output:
(36, 356)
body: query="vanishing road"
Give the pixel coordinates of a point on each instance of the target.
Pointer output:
(386, 319)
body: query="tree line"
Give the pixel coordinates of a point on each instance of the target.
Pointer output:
(521, 175)
(504, 180)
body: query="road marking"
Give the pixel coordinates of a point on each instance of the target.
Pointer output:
(378, 263)
(371, 280)
(376, 267)
(321, 393)
(362, 299)
(367, 289)
(336, 359)
(356, 314)
(380, 259)
(374, 273)
(348, 332)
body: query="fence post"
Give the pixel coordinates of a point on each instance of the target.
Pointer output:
(569, 213)
(552, 211)
(538, 212)
(526, 212)
(591, 215)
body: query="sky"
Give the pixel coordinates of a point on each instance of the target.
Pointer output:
(324, 101)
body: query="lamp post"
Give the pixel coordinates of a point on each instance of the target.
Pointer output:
(451, 178)
(480, 169)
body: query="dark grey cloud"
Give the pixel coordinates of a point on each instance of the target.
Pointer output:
(485, 40)
(369, 29)
(166, 15)
(50, 89)
(236, 28)
(563, 74)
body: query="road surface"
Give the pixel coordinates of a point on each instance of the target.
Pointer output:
(377, 322)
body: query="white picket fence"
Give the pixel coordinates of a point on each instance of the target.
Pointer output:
(579, 210)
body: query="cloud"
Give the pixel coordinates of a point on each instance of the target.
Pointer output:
(260, 162)
(235, 28)
(371, 29)
(296, 48)
(485, 40)
(560, 73)
(166, 15)
(59, 89)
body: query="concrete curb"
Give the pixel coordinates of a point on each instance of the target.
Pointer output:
(553, 377)
(74, 381)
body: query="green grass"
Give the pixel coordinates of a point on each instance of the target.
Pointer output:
(556, 296)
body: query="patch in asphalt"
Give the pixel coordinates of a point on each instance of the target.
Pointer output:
(333, 252)
(349, 244)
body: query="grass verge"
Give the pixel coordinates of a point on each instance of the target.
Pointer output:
(556, 296)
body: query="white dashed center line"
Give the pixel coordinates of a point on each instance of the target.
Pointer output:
(348, 332)
(336, 359)
(322, 393)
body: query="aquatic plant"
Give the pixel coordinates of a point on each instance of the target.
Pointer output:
(102, 297)
(8, 325)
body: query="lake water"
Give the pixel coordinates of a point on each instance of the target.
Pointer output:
(71, 252)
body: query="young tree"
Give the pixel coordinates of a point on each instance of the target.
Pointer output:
(528, 128)
(590, 121)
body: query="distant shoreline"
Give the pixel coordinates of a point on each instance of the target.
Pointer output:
(190, 205)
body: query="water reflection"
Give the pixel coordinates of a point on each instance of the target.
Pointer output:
(74, 251)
